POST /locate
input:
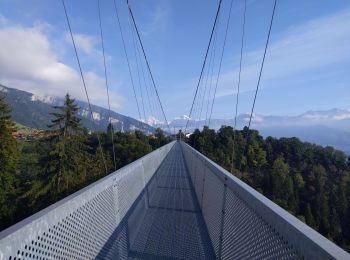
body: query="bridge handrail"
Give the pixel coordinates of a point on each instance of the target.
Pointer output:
(22, 238)
(307, 242)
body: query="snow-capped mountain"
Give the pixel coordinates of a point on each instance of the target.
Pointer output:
(45, 99)
(332, 114)
(329, 127)
(335, 118)
(34, 111)
(153, 121)
(184, 117)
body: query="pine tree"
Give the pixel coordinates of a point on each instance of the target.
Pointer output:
(110, 132)
(310, 181)
(66, 121)
(280, 172)
(67, 164)
(309, 217)
(66, 154)
(8, 165)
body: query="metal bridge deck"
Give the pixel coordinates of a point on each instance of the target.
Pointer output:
(171, 226)
(149, 210)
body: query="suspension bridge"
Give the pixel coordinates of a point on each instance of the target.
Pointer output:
(173, 203)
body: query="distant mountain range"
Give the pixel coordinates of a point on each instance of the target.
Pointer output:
(33, 111)
(330, 127)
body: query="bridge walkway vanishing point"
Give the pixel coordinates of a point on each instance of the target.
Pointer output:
(166, 220)
(173, 203)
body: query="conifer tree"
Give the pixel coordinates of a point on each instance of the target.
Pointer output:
(66, 167)
(66, 121)
(67, 164)
(8, 164)
(110, 132)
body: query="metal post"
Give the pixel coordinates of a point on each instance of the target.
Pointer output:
(222, 219)
(195, 178)
(147, 197)
(205, 173)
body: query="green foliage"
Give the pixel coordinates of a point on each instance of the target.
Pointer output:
(66, 120)
(180, 135)
(37, 173)
(67, 163)
(36, 114)
(309, 181)
(8, 165)
(159, 139)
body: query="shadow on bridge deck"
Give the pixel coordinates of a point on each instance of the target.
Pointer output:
(165, 222)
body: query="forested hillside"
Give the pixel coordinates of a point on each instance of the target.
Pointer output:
(34, 111)
(309, 181)
(37, 173)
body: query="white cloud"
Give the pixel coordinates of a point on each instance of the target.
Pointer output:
(315, 44)
(158, 20)
(84, 42)
(87, 45)
(333, 114)
(342, 117)
(183, 117)
(28, 62)
(255, 118)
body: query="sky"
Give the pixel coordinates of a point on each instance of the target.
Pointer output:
(307, 64)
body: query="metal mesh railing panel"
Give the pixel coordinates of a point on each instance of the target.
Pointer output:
(171, 204)
(89, 224)
(243, 224)
(235, 230)
(212, 201)
(80, 235)
(199, 182)
(247, 236)
(129, 187)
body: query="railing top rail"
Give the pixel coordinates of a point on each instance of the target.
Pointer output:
(308, 242)
(83, 194)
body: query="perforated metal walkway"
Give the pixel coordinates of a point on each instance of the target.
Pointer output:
(149, 210)
(165, 222)
(172, 226)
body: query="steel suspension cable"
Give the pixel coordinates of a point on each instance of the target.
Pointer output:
(209, 70)
(145, 83)
(204, 62)
(210, 86)
(107, 85)
(260, 73)
(205, 85)
(195, 117)
(153, 97)
(208, 73)
(148, 66)
(84, 84)
(262, 63)
(138, 70)
(150, 103)
(220, 64)
(127, 58)
(157, 108)
(239, 83)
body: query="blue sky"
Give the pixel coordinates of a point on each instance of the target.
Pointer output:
(307, 64)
